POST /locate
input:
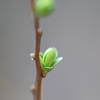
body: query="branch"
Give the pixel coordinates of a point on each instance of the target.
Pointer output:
(46, 8)
(36, 90)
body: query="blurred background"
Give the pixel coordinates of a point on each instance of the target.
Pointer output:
(74, 29)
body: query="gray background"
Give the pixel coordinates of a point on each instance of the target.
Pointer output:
(74, 29)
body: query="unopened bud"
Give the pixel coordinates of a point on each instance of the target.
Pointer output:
(44, 7)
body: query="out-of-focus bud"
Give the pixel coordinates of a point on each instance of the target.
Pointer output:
(44, 7)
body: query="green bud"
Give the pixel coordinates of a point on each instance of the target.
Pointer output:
(49, 56)
(44, 7)
(48, 59)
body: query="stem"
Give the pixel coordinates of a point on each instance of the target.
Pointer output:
(36, 90)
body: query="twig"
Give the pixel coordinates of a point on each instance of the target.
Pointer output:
(36, 90)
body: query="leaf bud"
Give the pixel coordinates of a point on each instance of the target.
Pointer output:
(49, 56)
(44, 7)
(48, 59)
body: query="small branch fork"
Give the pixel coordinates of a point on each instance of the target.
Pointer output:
(36, 90)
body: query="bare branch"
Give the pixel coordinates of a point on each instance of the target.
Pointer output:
(36, 90)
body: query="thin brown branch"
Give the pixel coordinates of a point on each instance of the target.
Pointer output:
(37, 88)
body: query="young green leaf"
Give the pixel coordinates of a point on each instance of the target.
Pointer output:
(50, 56)
(42, 64)
(41, 55)
(56, 61)
(45, 53)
